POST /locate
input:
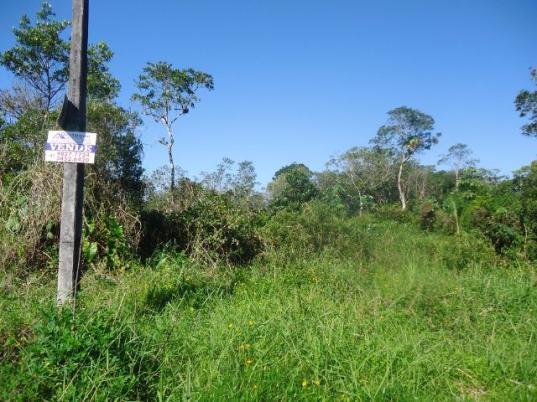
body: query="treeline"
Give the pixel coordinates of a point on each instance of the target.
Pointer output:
(221, 217)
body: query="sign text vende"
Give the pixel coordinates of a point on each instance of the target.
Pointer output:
(71, 146)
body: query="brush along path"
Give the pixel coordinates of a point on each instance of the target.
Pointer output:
(392, 323)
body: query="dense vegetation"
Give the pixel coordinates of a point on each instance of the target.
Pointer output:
(377, 278)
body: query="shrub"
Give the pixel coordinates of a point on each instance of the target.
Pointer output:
(29, 217)
(209, 226)
(314, 228)
(104, 240)
(465, 250)
(65, 352)
(427, 215)
(394, 212)
(30, 206)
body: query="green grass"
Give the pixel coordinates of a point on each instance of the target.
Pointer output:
(381, 316)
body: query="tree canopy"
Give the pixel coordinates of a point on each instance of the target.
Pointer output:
(40, 60)
(165, 94)
(526, 105)
(292, 186)
(40, 57)
(459, 157)
(407, 132)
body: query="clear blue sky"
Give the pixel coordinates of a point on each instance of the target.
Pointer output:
(302, 80)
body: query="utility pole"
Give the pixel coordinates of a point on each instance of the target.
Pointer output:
(73, 118)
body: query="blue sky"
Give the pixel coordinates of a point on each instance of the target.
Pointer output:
(303, 80)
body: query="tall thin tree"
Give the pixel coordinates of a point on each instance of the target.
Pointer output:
(459, 157)
(407, 132)
(166, 93)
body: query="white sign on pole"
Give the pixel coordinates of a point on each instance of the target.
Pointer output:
(70, 146)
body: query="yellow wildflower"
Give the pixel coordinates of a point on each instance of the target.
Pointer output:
(304, 383)
(249, 361)
(317, 381)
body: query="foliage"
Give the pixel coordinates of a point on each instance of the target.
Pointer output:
(526, 105)
(119, 160)
(29, 216)
(292, 186)
(407, 132)
(240, 183)
(526, 182)
(385, 310)
(102, 85)
(165, 94)
(64, 346)
(365, 174)
(209, 226)
(22, 143)
(459, 157)
(104, 241)
(40, 58)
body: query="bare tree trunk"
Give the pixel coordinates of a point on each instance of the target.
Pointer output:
(400, 186)
(170, 158)
(457, 179)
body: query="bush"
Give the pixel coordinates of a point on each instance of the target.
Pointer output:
(210, 227)
(502, 227)
(465, 250)
(29, 217)
(64, 353)
(394, 212)
(30, 206)
(314, 228)
(428, 215)
(104, 241)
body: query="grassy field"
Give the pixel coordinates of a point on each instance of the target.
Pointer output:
(390, 313)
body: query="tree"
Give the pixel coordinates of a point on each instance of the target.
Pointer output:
(407, 132)
(366, 170)
(526, 105)
(40, 60)
(526, 180)
(220, 179)
(292, 186)
(166, 93)
(20, 99)
(459, 157)
(244, 181)
(119, 160)
(102, 86)
(239, 183)
(21, 143)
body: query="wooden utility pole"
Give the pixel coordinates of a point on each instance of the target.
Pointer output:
(73, 118)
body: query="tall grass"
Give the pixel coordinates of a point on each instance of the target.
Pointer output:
(376, 311)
